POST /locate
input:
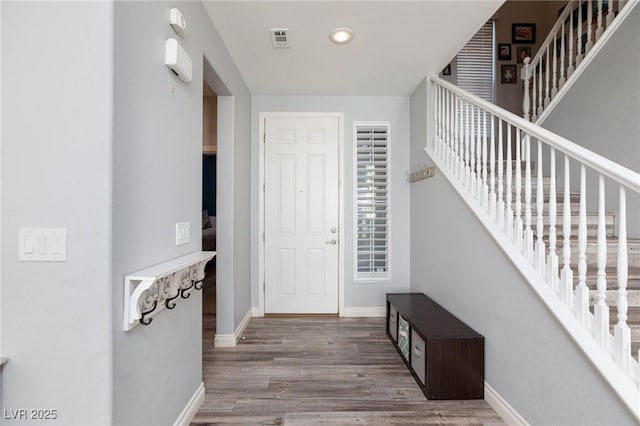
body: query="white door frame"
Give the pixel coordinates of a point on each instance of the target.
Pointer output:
(261, 169)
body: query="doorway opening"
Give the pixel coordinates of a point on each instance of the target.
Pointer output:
(209, 216)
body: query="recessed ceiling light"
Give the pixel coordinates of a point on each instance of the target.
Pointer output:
(341, 35)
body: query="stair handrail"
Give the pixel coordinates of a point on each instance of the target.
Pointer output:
(603, 165)
(469, 142)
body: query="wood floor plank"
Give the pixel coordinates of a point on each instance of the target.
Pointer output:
(320, 370)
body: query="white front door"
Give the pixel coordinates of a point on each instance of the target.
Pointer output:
(301, 214)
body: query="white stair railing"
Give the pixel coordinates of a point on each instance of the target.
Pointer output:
(465, 128)
(565, 48)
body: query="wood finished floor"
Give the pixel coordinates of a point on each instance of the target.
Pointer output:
(306, 370)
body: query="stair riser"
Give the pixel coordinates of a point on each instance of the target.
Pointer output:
(612, 282)
(633, 259)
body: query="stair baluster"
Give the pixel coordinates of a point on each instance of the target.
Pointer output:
(467, 168)
(540, 250)
(526, 101)
(599, 29)
(492, 172)
(570, 67)
(528, 232)
(579, 53)
(534, 92)
(509, 209)
(478, 188)
(582, 292)
(562, 79)
(554, 79)
(601, 310)
(540, 98)
(552, 262)
(472, 143)
(567, 273)
(622, 333)
(610, 14)
(589, 44)
(460, 137)
(547, 88)
(500, 213)
(484, 188)
(518, 221)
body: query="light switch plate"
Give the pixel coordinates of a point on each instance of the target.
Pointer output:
(42, 244)
(183, 233)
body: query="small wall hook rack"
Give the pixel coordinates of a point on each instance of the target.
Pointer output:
(420, 172)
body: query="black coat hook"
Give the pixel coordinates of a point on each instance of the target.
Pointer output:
(184, 291)
(198, 287)
(144, 321)
(168, 303)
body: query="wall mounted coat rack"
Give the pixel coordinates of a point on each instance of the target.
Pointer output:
(149, 291)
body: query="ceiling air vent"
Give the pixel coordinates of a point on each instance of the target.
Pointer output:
(280, 37)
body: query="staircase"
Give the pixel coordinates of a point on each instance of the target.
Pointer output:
(582, 265)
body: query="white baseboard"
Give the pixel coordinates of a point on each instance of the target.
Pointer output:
(192, 407)
(502, 407)
(365, 312)
(230, 340)
(255, 312)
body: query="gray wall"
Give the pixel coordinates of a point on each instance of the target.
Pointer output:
(157, 182)
(56, 172)
(600, 112)
(393, 109)
(529, 358)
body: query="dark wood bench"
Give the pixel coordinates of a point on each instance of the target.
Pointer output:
(445, 356)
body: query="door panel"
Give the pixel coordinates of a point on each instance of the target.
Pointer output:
(301, 214)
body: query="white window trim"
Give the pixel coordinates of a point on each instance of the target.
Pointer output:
(356, 278)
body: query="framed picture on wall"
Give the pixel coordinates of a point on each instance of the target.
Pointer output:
(522, 52)
(447, 70)
(508, 74)
(523, 33)
(504, 52)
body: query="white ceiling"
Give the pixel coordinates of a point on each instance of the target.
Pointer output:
(396, 43)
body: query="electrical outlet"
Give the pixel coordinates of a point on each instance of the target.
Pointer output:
(183, 233)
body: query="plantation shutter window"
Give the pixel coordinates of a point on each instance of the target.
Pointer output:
(475, 64)
(372, 202)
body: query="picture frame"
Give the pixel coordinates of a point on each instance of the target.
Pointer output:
(522, 52)
(504, 51)
(508, 74)
(523, 33)
(446, 70)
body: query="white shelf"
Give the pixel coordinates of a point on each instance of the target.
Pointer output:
(149, 291)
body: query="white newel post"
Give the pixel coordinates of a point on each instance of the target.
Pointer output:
(526, 100)
(622, 333)
(582, 291)
(601, 310)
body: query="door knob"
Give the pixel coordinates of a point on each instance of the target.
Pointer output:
(332, 242)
